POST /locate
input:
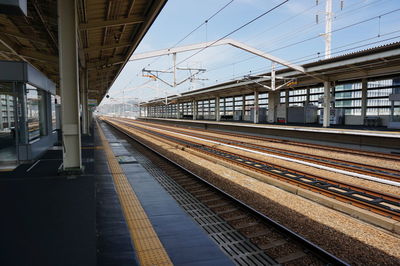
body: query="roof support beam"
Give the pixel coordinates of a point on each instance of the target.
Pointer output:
(105, 47)
(218, 43)
(38, 56)
(104, 64)
(130, 8)
(20, 35)
(46, 27)
(99, 24)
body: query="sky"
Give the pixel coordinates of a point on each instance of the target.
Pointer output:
(291, 32)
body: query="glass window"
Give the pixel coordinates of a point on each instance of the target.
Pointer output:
(36, 112)
(380, 83)
(348, 86)
(32, 108)
(53, 112)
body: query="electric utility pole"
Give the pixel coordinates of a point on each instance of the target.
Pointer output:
(328, 28)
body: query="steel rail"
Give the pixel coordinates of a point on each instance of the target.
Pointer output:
(379, 203)
(380, 172)
(380, 155)
(313, 248)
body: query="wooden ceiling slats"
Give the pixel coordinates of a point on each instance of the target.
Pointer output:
(107, 30)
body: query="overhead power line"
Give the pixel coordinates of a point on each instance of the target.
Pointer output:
(195, 29)
(235, 30)
(339, 29)
(205, 22)
(297, 61)
(309, 39)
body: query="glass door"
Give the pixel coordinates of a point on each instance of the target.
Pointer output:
(8, 131)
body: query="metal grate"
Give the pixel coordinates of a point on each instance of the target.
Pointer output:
(233, 243)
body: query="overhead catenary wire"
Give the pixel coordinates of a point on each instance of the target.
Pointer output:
(232, 32)
(205, 22)
(335, 30)
(202, 24)
(313, 55)
(186, 36)
(235, 30)
(297, 32)
(262, 70)
(305, 28)
(312, 38)
(347, 26)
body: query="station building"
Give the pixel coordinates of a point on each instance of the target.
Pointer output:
(364, 91)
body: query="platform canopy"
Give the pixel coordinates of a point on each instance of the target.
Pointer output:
(109, 32)
(373, 62)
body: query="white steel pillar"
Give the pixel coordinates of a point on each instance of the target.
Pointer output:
(256, 111)
(286, 105)
(273, 76)
(327, 104)
(178, 110)
(69, 85)
(217, 110)
(194, 109)
(84, 101)
(243, 106)
(364, 95)
(328, 28)
(174, 68)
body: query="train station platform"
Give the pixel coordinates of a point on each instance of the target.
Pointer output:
(115, 213)
(355, 137)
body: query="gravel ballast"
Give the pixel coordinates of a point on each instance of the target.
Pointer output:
(346, 237)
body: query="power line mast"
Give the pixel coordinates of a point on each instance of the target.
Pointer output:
(328, 25)
(328, 41)
(328, 28)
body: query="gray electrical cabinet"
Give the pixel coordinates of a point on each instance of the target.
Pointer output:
(262, 115)
(237, 115)
(302, 114)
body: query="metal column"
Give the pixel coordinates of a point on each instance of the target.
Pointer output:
(327, 104)
(256, 111)
(194, 109)
(364, 94)
(84, 100)
(68, 53)
(243, 107)
(273, 101)
(217, 110)
(286, 105)
(178, 110)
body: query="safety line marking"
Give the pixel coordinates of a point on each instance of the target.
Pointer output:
(148, 246)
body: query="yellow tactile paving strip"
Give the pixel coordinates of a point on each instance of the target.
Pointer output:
(148, 246)
(92, 148)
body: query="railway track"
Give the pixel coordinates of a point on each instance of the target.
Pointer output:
(380, 203)
(231, 219)
(378, 155)
(364, 169)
